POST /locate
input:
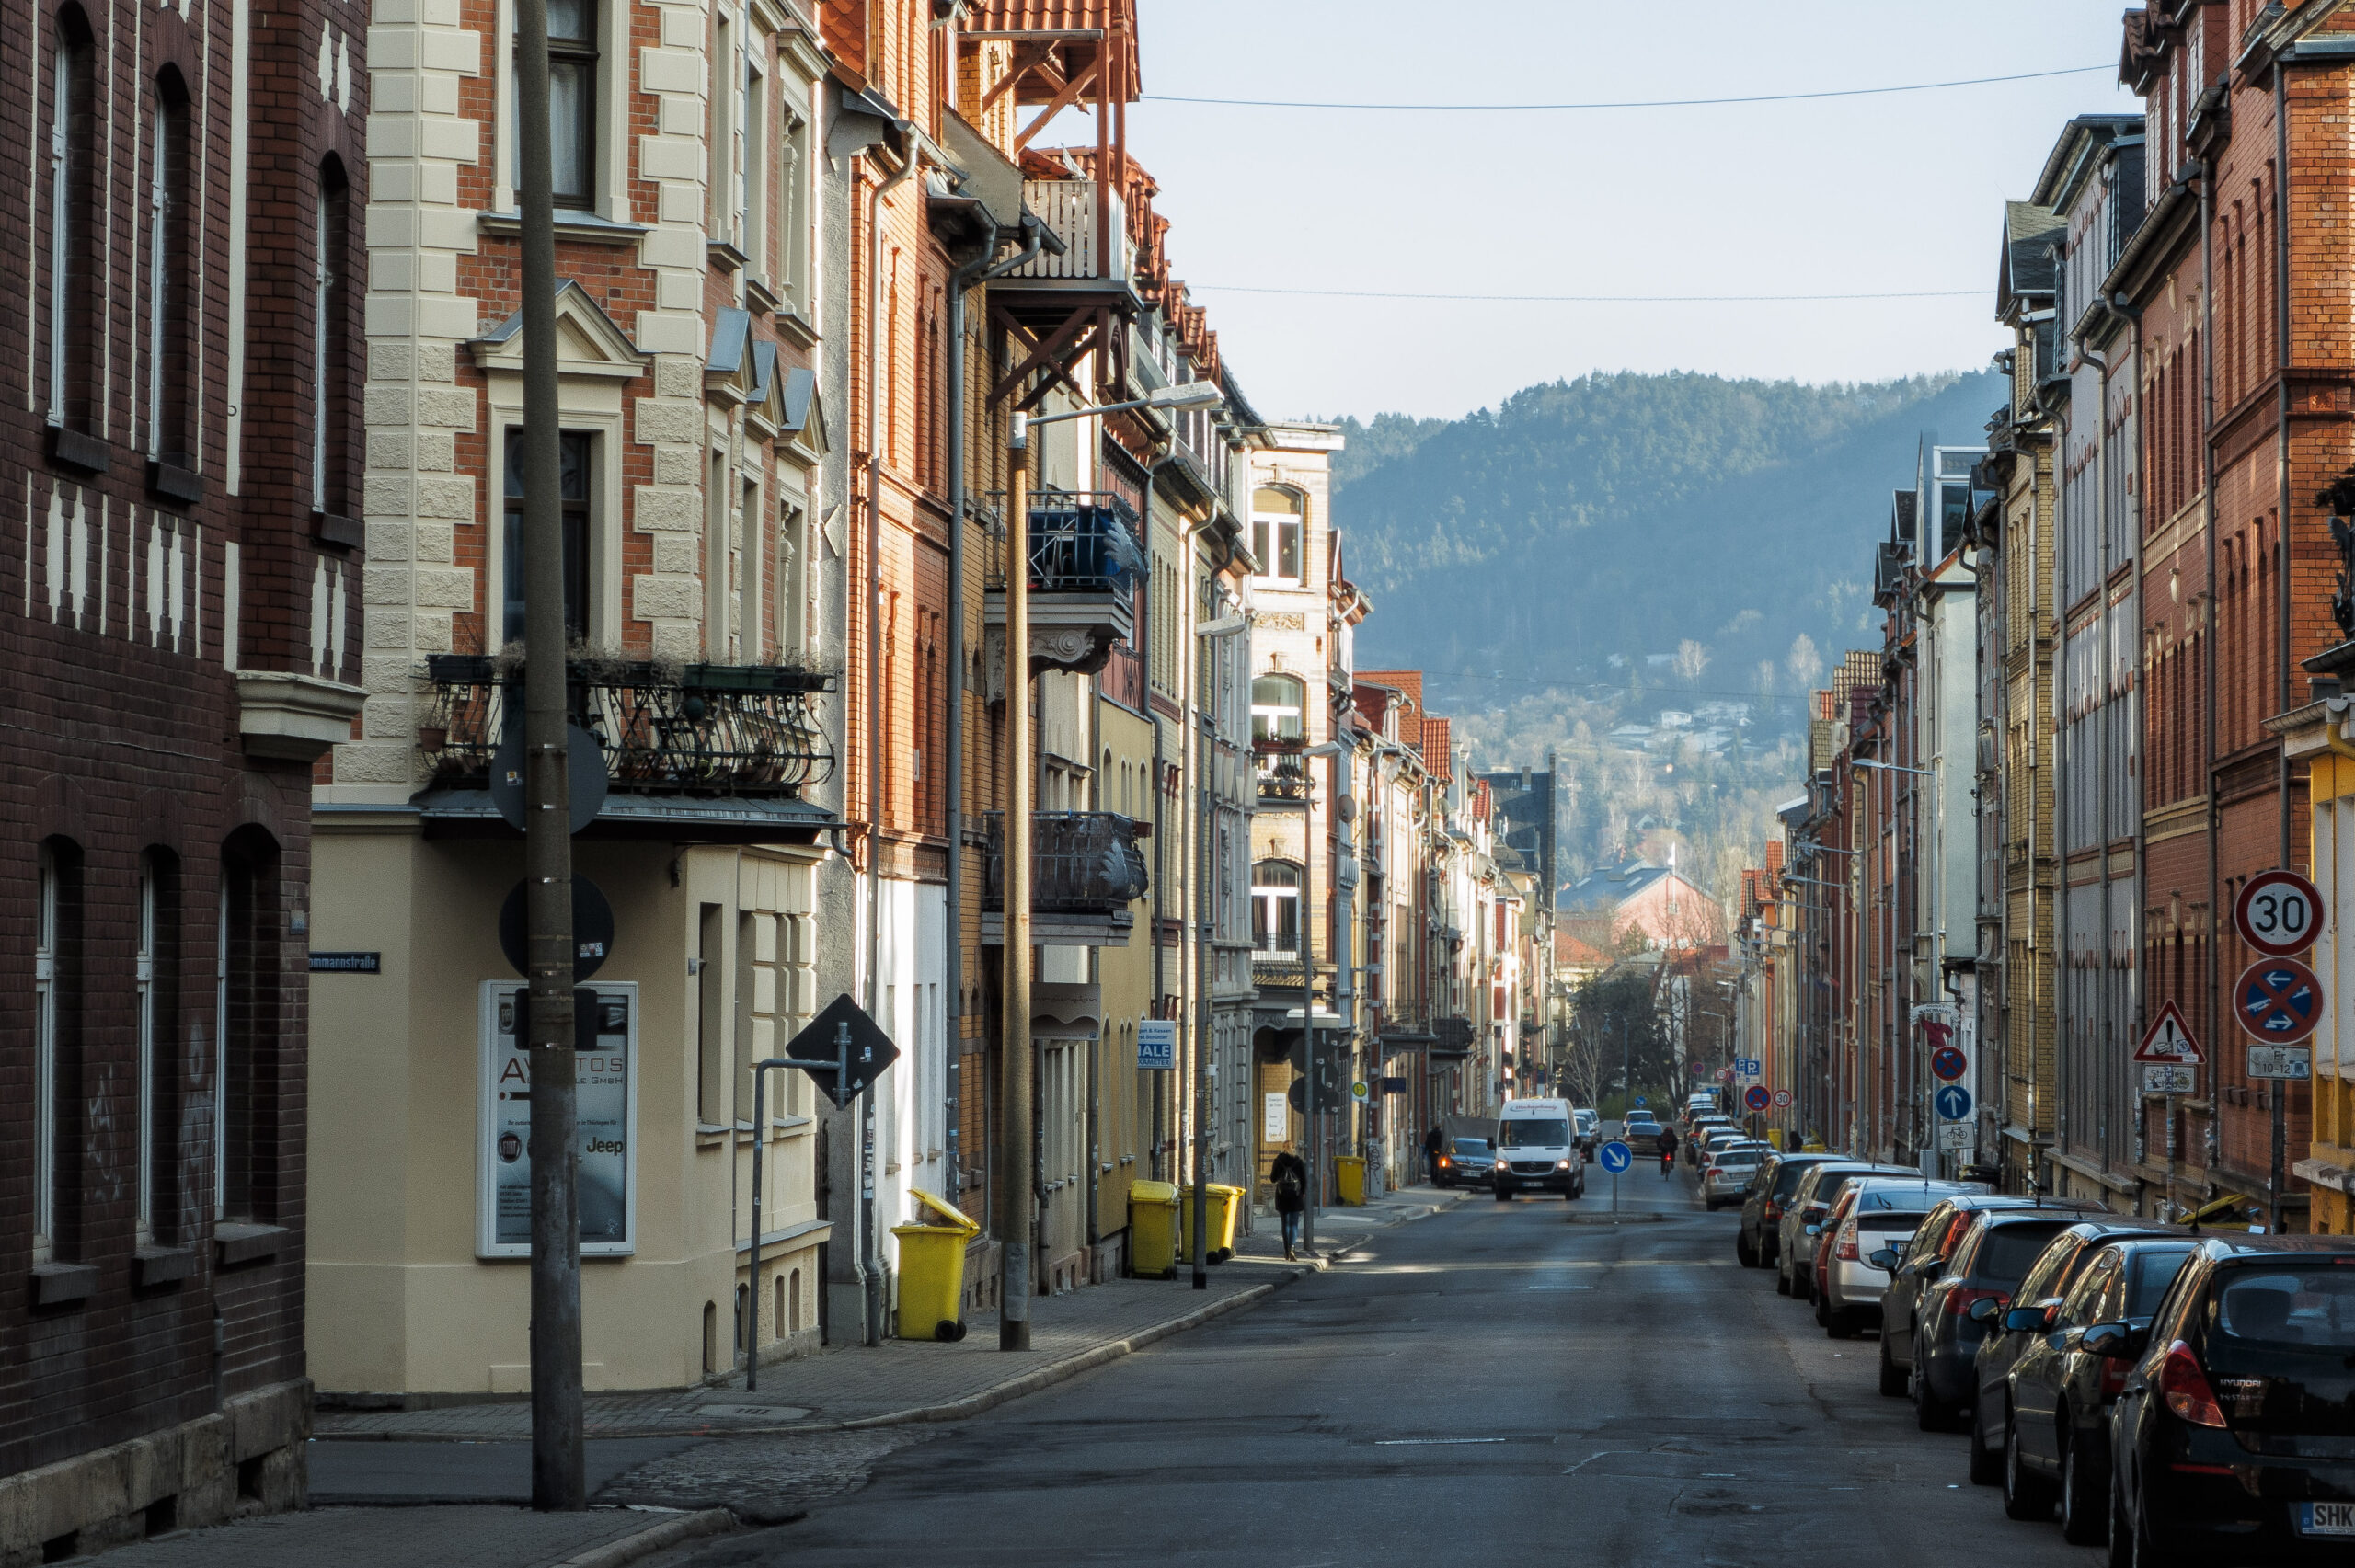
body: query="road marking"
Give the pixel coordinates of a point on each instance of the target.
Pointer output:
(1429, 1442)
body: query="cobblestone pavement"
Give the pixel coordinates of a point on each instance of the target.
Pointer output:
(398, 1538)
(899, 1377)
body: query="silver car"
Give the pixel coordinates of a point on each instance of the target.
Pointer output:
(1885, 1212)
(1727, 1176)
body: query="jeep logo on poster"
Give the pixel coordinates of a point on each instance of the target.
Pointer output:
(608, 1112)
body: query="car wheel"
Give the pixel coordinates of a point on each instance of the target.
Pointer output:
(2083, 1498)
(1823, 1304)
(2026, 1496)
(1782, 1281)
(2121, 1529)
(1986, 1458)
(1504, 1194)
(2148, 1553)
(1892, 1379)
(1838, 1323)
(1743, 1253)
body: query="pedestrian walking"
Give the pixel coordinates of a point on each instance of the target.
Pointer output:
(1434, 1141)
(1289, 1174)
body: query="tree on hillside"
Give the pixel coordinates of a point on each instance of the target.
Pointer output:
(1692, 658)
(1804, 663)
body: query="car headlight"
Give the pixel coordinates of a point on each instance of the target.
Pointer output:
(1561, 1165)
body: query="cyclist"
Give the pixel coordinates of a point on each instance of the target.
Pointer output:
(1667, 1150)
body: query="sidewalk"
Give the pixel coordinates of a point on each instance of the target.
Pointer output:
(906, 1380)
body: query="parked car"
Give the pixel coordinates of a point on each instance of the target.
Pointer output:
(1698, 1131)
(1759, 1241)
(1729, 1175)
(1995, 1254)
(1464, 1162)
(1803, 1218)
(1912, 1265)
(2234, 1437)
(2023, 1318)
(1887, 1210)
(1588, 1129)
(2060, 1394)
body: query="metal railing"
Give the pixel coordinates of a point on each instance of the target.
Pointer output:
(1282, 771)
(665, 728)
(1080, 862)
(1079, 542)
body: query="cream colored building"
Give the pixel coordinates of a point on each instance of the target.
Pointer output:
(690, 318)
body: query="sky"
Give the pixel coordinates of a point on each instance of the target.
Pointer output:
(1884, 194)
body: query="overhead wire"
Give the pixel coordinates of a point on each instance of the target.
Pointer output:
(1628, 103)
(1587, 299)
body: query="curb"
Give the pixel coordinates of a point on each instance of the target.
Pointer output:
(987, 1399)
(657, 1538)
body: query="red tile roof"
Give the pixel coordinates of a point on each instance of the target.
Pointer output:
(1410, 717)
(1433, 744)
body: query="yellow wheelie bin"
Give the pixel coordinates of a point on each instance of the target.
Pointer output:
(1153, 1229)
(932, 1270)
(1348, 1178)
(1222, 1204)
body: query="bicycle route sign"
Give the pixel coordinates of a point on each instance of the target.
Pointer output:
(2280, 1001)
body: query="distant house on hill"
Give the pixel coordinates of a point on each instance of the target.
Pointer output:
(1577, 961)
(1636, 895)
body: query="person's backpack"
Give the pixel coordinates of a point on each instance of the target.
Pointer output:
(1289, 1184)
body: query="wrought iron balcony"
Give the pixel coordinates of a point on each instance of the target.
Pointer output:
(698, 729)
(1081, 862)
(1085, 561)
(1282, 771)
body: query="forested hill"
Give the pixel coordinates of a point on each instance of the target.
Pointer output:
(1626, 514)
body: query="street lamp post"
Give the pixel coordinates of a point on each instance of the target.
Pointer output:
(1018, 1074)
(1310, 1116)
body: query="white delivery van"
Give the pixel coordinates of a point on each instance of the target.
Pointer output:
(1537, 1150)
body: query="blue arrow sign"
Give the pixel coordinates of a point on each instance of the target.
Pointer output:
(1953, 1101)
(1616, 1157)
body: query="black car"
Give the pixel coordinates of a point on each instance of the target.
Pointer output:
(2060, 1394)
(2014, 1326)
(1912, 1265)
(1760, 1238)
(1464, 1162)
(1995, 1254)
(2234, 1438)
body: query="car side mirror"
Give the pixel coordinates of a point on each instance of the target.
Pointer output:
(1590, 1153)
(2112, 1341)
(1885, 1260)
(1492, 1143)
(1815, 1229)
(1983, 1310)
(2026, 1320)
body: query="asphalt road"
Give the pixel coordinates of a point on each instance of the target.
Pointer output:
(1492, 1381)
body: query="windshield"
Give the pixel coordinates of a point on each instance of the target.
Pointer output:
(1472, 1146)
(1788, 1174)
(1534, 1132)
(2010, 1251)
(2299, 1308)
(2148, 1275)
(1634, 1119)
(1737, 1162)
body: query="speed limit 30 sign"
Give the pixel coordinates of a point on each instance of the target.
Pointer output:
(2279, 913)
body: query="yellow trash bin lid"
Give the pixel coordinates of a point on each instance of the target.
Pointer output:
(1152, 1192)
(939, 1212)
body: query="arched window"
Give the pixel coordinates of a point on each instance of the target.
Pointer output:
(1276, 533)
(168, 274)
(66, 299)
(1277, 703)
(1275, 906)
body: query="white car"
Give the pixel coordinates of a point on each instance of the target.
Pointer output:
(1886, 1210)
(1729, 1173)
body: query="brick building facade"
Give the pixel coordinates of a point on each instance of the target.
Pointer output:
(181, 632)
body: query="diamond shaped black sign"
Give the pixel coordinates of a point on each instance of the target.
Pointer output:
(842, 1050)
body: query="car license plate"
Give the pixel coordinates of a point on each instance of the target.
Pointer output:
(2326, 1519)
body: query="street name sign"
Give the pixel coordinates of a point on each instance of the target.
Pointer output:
(2288, 1062)
(2169, 1039)
(2279, 913)
(2280, 1001)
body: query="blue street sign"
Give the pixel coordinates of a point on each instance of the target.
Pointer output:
(1616, 1157)
(1953, 1101)
(1640, 1100)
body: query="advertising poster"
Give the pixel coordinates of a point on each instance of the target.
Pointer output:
(607, 1111)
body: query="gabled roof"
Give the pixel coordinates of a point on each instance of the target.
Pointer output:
(1409, 683)
(2029, 271)
(588, 342)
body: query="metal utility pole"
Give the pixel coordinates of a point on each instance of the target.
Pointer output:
(1308, 995)
(559, 1481)
(1021, 1199)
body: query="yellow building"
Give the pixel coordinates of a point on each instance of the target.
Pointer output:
(2322, 735)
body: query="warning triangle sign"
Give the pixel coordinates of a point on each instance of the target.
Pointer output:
(2169, 1039)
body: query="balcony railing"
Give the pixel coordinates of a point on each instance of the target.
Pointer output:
(1282, 771)
(1081, 861)
(721, 729)
(1096, 244)
(1080, 542)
